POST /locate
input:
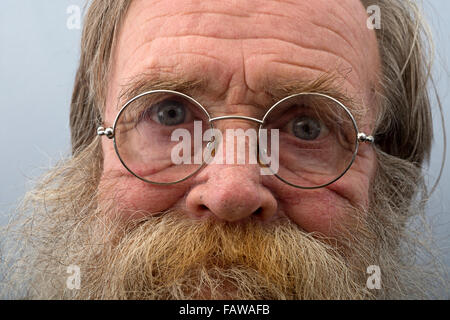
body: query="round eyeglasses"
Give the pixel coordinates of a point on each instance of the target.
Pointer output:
(314, 137)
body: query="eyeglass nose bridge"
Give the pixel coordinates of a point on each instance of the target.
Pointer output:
(212, 144)
(212, 120)
(236, 117)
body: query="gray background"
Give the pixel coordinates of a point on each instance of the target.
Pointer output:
(38, 60)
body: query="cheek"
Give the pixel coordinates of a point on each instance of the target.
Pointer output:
(324, 210)
(128, 195)
(314, 211)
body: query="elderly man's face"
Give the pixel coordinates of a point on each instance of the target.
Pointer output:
(228, 231)
(239, 49)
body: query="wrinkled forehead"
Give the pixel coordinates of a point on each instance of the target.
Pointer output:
(258, 41)
(248, 18)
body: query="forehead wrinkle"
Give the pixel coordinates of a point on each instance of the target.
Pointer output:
(215, 8)
(352, 16)
(252, 15)
(239, 14)
(335, 32)
(285, 42)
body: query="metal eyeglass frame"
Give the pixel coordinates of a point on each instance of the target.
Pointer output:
(360, 136)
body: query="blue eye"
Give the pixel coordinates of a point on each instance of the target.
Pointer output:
(170, 112)
(306, 128)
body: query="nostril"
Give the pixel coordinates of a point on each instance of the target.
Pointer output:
(231, 202)
(258, 212)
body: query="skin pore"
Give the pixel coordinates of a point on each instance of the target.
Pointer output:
(239, 49)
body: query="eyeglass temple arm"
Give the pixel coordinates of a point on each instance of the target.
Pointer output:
(362, 137)
(108, 132)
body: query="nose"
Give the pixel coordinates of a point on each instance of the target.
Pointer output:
(232, 193)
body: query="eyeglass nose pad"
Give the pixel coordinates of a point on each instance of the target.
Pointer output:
(210, 151)
(262, 156)
(211, 147)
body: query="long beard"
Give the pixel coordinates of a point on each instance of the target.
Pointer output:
(171, 257)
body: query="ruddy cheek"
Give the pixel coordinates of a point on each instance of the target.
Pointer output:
(132, 197)
(320, 210)
(316, 213)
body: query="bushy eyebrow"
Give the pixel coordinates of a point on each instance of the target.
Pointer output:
(276, 90)
(145, 82)
(327, 84)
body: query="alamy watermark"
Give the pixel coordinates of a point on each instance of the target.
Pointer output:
(374, 19)
(73, 281)
(74, 17)
(213, 153)
(374, 280)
